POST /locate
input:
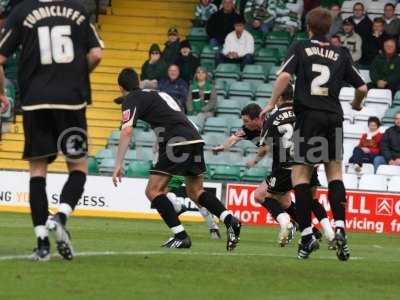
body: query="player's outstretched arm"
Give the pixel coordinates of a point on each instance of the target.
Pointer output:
(3, 98)
(124, 141)
(279, 87)
(232, 140)
(359, 96)
(94, 58)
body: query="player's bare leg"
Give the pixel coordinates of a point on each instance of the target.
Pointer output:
(337, 200)
(301, 175)
(70, 195)
(195, 191)
(272, 203)
(39, 208)
(155, 192)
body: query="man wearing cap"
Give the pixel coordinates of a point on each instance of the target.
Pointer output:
(172, 46)
(239, 45)
(351, 40)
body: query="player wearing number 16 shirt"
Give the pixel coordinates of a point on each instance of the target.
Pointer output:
(321, 70)
(180, 152)
(59, 48)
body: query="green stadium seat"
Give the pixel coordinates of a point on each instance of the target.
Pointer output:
(216, 124)
(300, 36)
(263, 91)
(230, 106)
(208, 53)
(196, 50)
(254, 174)
(228, 71)
(130, 156)
(144, 153)
(388, 118)
(144, 138)
(244, 146)
(113, 139)
(142, 125)
(93, 167)
(221, 87)
(241, 90)
(198, 37)
(236, 124)
(282, 50)
(267, 55)
(199, 122)
(138, 169)
(396, 100)
(278, 38)
(213, 139)
(104, 154)
(11, 66)
(254, 73)
(224, 172)
(272, 73)
(107, 166)
(209, 64)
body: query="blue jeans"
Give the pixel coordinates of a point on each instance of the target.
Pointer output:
(379, 160)
(359, 157)
(245, 60)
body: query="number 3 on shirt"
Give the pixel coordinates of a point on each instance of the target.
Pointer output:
(321, 79)
(55, 45)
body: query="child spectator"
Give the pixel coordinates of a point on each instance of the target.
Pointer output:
(203, 11)
(172, 46)
(385, 68)
(239, 46)
(187, 62)
(351, 40)
(154, 69)
(202, 97)
(369, 146)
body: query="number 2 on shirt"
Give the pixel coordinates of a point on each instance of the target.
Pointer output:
(321, 79)
(55, 45)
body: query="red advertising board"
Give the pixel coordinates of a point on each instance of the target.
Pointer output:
(366, 211)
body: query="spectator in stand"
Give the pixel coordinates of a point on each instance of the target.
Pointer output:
(390, 145)
(335, 41)
(221, 24)
(287, 14)
(154, 69)
(187, 62)
(351, 40)
(385, 68)
(175, 86)
(375, 42)
(255, 29)
(172, 46)
(369, 146)
(203, 11)
(256, 11)
(238, 46)
(363, 27)
(392, 23)
(202, 97)
(337, 21)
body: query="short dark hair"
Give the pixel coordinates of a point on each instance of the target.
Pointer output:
(287, 94)
(379, 20)
(391, 5)
(334, 4)
(128, 79)
(359, 3)
(252, 110)
(374, 120)
(391, 39)
(319, 21)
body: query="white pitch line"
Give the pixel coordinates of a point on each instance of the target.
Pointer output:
(172, 252)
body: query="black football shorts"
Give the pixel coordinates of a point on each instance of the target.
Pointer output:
(318, 137)
(280, 181)
(185, 160)
(49, 132)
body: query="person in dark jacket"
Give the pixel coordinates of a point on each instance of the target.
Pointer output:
(187, 62)
(221, 23)
(363, 27)
(154, 69)
(337, 20)
(172, 46)
(390, 145)
(175, 86)
(385, 68)
(375, 41)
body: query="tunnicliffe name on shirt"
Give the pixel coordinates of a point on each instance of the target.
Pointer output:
(53, 11)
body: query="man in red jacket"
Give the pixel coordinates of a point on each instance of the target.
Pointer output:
(369, 146)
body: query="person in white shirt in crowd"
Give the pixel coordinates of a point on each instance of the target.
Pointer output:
(238, 46)
(351, 40)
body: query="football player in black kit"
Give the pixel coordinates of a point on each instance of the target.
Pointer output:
(321, 70)
(59, 49)
(274, 192)
(180, 152)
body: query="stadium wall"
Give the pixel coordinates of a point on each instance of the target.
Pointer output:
(366, 211)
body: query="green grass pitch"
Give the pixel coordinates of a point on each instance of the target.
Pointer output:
(122, 259)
